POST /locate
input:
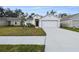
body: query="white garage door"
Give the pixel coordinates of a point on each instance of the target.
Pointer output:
(49, 24)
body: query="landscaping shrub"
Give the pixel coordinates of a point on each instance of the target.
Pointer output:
(30, 25)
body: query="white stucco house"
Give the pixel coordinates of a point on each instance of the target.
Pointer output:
(49, 20)
(14, 21)
(70, 21)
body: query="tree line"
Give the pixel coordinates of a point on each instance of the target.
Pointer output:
(14, 13)
(10, 13)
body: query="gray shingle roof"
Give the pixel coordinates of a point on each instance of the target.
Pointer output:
(70, 17)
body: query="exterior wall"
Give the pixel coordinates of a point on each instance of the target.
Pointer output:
(33, 22)
(71, 22)
(22, 40)
(67, 23)
(59, 22)
(3, 21)
(75, 23)
(40, 21)
(14, 20)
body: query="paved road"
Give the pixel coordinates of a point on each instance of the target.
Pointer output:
(61, 40)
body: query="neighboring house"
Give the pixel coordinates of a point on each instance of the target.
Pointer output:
(70, 21)
(14, 21)
(11, 21)
(8, 21)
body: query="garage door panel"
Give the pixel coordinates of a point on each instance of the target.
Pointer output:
(51, 24)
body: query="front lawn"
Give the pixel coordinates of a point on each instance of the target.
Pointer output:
(21, 31)
(72, 29)
(21, 48)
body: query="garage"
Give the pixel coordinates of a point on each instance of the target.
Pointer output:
(49, 24)
(49, 21)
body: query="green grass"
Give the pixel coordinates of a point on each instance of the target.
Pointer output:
(21, 31)
(21, 48)
(72, 29)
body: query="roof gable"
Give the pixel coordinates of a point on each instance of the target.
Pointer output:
(71, 17)
(50, 17)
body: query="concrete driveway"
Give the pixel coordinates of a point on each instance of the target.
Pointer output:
(61, 40)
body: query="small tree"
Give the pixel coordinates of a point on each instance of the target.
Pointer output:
(18, 11)
(23, 20)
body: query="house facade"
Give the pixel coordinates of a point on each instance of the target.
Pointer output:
(49, 20)
(34, 19)
(16, 21)
(8, 21)
(70, 21)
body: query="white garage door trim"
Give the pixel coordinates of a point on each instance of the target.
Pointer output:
(49, 20)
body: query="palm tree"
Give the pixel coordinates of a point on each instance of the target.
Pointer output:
(32, 13)
(53, 12)
(18, 12)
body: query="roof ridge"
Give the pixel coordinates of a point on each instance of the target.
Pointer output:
(70, 16)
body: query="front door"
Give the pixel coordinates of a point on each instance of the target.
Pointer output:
(37, 22)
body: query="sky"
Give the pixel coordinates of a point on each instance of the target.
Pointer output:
(41, 10)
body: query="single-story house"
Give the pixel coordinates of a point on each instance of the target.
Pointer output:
(6, 21)
(48, 21)
(70, 21)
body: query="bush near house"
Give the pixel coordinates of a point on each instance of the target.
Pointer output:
(30, 25)
(63, 25)
(72, 29)
(22, 48)
(21, 31)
